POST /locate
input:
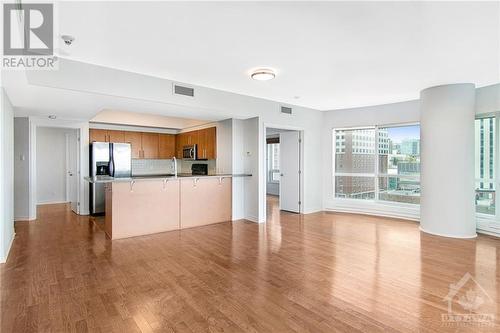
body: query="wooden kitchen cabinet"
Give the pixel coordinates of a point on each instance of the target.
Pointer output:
(167, 147)
(206, 139)
(103, 135)
(150, 145)
(180, 142)
(207, 143)
(135, 140)
(116, 136)
(98, 135)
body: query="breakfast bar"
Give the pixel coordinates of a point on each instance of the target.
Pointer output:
(138, 206)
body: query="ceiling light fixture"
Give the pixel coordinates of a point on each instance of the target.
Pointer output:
(263, 74)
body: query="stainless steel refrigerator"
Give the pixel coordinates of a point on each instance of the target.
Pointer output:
(107, 159)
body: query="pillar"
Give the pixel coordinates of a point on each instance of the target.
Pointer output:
(447, 205)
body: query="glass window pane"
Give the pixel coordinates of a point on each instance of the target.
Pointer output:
(485, 197)
(485, 165)
(355, 151)
(399, 189)
(354, 187)
(399, 150)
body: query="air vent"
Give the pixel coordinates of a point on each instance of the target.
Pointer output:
(186, 91)
(285, 109)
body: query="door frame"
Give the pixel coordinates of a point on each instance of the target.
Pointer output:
(69, 168)
(82, 128)
(263, 166)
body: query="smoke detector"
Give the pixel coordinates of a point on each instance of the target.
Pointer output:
(68, 40)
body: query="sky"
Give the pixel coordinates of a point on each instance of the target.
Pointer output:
(397, 134)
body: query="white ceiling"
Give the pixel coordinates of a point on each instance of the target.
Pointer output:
(331, 54)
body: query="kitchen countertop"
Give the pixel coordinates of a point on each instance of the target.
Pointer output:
(109, 179)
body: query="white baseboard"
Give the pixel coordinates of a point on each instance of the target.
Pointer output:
(51, 203)
(3, 260)
(24, 218)
(252, 219)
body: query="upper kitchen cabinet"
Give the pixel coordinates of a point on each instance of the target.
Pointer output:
(116, 136)
(191, 138)
(207, 143)
(167, 146)
(98, 135)
(103, 135)
(150, 145)
(135, 140)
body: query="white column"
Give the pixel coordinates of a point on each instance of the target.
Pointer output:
(447, 160)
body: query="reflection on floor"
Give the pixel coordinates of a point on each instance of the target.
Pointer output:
(321, 272)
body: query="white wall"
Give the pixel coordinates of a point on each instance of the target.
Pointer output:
(238, 167)
(6, 176)
(51, 164)
(21, 168)
(251, 158)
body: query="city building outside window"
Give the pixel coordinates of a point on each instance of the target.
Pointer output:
(485, 132)
(386, 171)
(273, 158)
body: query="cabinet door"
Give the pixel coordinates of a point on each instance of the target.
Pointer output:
(134, 138)
(192, 137)
(116, 136)
(98, 135)
(202, 143)
(150, 145)
(211, 143)
(179, 142)
(166, 146)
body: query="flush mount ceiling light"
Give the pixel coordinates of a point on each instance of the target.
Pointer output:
(263, 74)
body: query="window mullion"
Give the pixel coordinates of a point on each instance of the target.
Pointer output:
(376, 187)
(496, 167)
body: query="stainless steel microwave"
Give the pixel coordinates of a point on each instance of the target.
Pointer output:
(190, 152)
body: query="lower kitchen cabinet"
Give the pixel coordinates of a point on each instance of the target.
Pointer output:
(205, 201)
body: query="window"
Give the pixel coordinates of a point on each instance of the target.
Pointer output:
(355, 163)
(399, 164)
(380, 163)
(485, 165)
(273, 160)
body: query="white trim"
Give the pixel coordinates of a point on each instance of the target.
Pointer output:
(23, 218)
(447, 235)
(51, 202)
(252, 219)
(3, 260)
(380, 208)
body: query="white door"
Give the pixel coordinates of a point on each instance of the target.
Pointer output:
(290, 171)
(72, 170)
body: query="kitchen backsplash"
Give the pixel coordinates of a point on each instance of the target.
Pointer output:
(145, 167)
(151, 167)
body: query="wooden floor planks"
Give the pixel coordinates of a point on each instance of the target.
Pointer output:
(321, 272)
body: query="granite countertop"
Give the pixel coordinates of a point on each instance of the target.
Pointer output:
(109, 179)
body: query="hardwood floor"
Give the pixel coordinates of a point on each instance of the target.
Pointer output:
(321, 272)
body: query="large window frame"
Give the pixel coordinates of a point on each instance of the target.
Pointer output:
(376, 175)
(495, 218)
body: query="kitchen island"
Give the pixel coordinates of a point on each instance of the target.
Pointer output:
(138, 206)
